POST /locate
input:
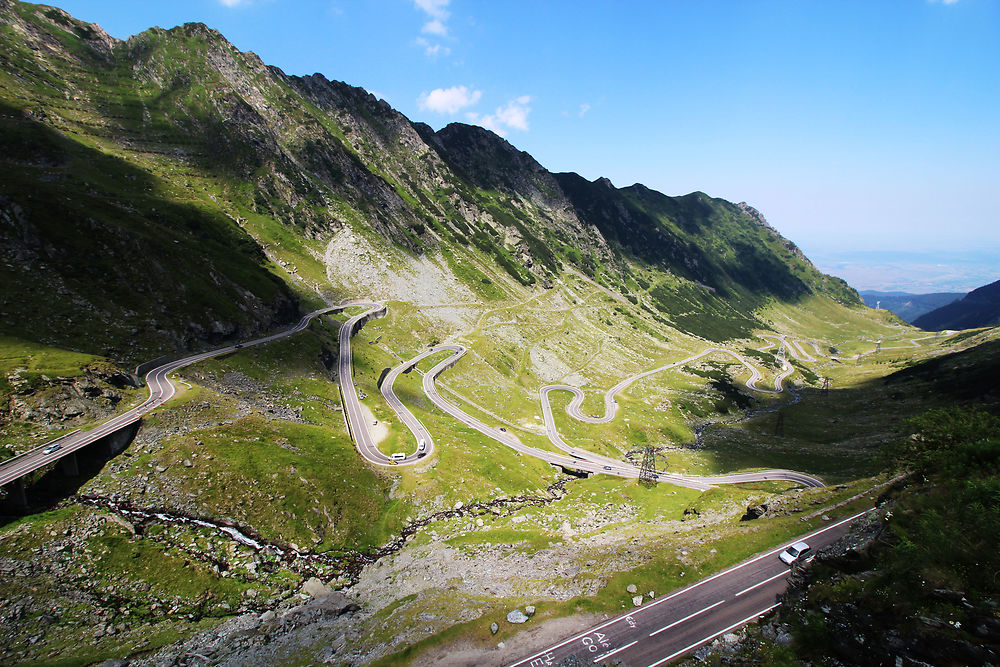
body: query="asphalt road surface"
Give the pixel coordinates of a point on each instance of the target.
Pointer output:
(673, 625)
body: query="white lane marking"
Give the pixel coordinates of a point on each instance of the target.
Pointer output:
(711, 637)
(611, 653)
(686, 618)
(684, 590)
(761, 583)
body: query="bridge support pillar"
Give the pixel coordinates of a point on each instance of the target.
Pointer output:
(69, 465)
(16, 495)
(112, 444)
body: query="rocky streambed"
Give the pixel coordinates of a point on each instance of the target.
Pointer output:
(341, 567)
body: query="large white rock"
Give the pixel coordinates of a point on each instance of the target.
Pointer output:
(517, 616)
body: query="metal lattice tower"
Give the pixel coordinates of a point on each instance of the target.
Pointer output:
(826, 386)
(878, 346)
(647, 472)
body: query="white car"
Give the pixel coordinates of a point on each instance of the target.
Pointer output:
(399, 456)
(51, 449)
(795, 552)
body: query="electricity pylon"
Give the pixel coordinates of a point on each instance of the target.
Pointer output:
(647, 472)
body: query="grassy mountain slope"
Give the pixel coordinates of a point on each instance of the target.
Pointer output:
(217, 133)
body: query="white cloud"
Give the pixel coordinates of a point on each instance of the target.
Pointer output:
(584, 108)
(435, 27)
(434, 8)
(234, 3)
(448, 100)
(432, 49)
(437, 13)
(511, 116)
(943, 2)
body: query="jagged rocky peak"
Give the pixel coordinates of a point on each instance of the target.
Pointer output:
(754, 213)
(479, 151)
(91, 34)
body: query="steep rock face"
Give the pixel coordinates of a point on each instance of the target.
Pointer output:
(978, 308)
(524, 187)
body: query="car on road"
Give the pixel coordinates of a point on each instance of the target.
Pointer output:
(607, 467)
(51, 448)
(503, 429)
(239, 346)
(794, 553)
(399, 456)
(422, 445)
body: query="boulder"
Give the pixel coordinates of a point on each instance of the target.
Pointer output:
(637, 600)
(315, 588)
(632, 588)
(530, 610)
(517, 616)
(494, 628)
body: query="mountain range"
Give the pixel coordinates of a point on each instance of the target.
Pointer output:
(908, 306)
(174, 144)
(978, 308)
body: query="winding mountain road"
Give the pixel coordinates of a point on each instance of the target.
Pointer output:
(577, 459)
(161, 390)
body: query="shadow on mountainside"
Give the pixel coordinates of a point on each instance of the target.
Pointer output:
(842, 434)
(97, 256)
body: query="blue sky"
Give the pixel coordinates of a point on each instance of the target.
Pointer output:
(852, 125)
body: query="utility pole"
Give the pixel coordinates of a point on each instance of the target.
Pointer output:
(647, 472)
(878, 346)
(826, 386)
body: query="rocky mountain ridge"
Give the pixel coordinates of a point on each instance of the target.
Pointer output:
(189, 124)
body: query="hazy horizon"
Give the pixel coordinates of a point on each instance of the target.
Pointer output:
(913, 272)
